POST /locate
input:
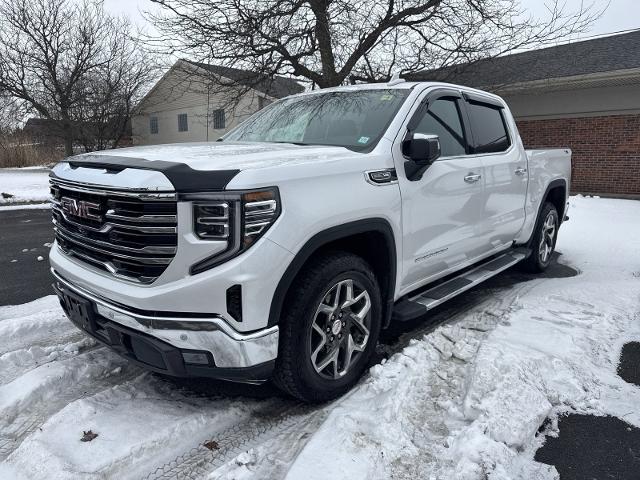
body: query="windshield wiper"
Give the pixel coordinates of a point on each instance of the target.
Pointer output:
(292, 143)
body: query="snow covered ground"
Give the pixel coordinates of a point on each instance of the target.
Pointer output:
(465, 400)
(20, 185)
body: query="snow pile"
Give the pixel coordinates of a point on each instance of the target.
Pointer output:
(18, 185)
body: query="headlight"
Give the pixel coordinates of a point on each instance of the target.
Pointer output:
(212, 220)
(239, 218)
(259, 210)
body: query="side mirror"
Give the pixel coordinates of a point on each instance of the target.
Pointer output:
(422, 150)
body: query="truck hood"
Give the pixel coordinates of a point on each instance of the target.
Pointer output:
(189, 167)
(224, 155)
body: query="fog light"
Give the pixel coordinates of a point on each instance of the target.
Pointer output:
(195, 358)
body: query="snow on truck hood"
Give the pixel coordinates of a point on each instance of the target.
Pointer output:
(229, 155)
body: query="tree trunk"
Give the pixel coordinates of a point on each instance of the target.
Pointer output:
(67, 135)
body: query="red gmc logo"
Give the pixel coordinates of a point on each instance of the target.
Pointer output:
(81, 208)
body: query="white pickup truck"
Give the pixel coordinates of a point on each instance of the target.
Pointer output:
(281, 251)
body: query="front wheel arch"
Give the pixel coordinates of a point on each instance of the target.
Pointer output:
(379, 251)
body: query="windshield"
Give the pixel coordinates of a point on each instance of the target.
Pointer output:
(353, 119)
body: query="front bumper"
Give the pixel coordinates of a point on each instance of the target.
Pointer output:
(178, 346)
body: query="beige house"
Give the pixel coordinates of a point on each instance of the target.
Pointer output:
(197, 102)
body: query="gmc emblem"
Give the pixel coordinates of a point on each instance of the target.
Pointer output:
(81, 208)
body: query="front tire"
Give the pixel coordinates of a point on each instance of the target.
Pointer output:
(329, 329)
(544, 240)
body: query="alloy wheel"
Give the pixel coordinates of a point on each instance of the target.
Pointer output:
(548, 238)
(340, 329)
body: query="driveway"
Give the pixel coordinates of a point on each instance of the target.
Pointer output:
(25, 236)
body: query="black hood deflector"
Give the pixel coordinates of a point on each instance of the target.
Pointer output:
(184, 178)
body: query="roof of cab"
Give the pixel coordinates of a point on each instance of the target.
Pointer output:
(404, 85)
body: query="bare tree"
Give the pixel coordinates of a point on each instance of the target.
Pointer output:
(69, 61)
(332, 42)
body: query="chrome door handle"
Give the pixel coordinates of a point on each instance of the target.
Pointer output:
(521, 171)
(472, 177)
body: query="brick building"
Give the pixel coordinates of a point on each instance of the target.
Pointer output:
(583, 95)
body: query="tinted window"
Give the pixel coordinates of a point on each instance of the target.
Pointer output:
(489, 128)
(443, 119)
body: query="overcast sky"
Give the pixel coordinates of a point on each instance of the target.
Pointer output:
(621, 15)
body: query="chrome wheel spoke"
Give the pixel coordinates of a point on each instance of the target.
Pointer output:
(349, 348)
(347, 285)
(366, 306)
(326, 309)
(332, 357)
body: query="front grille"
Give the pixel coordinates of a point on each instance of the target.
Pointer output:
(131, 235)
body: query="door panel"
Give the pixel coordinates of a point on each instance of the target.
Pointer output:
(442, 211)
(506, 189)
(441, 214)
(505, 172)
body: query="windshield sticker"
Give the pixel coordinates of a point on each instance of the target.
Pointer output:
(363, 139)
(386, 97)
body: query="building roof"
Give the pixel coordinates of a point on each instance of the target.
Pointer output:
(588, 57)
(277, 86)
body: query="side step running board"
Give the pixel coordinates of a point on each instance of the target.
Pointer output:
(421, 303)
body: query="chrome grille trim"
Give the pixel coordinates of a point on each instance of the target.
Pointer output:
(133, 235)
(150, 249)
(82, 242)
(142, 218)
(108, 226)
(108, 191)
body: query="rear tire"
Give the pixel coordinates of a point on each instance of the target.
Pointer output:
(329, 328)
(543, 243)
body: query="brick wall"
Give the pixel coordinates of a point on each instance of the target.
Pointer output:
(606, 150)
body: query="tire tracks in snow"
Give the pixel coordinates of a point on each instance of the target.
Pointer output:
(260, 428)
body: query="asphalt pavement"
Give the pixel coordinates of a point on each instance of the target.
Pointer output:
(25, 235)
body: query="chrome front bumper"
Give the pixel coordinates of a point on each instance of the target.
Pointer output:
(228, 348)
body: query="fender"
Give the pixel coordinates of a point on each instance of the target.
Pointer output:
(378, 225)
(559, 182)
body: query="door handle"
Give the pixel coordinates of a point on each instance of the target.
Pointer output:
(472, 177)
(521, 171)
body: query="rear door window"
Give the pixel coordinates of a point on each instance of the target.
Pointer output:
(490, 132)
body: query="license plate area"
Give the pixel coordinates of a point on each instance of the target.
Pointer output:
(80, 312)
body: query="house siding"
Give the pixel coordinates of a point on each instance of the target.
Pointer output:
(178, 93)
(577, 102)
(606, 150)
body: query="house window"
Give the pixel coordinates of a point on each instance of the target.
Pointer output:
(183, 126)
(153, 125)
(218, 119)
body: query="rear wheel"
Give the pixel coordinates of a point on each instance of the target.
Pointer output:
(329, 329)
(544, 240)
